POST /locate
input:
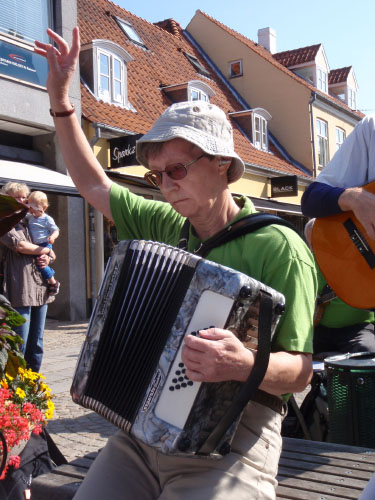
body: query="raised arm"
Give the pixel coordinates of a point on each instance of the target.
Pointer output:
(86, 172)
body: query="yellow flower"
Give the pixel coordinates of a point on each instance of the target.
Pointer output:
(29, 374)
(4, 384)
(50, 405)
(49, 414)
(45, 388)
(20, 392)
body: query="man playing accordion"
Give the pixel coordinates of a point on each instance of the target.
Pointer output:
(190, 156)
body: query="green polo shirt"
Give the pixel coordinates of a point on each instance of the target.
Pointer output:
(338, 314)
(274, 255)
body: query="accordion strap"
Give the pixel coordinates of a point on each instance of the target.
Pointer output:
(256, 376)
(239, 228)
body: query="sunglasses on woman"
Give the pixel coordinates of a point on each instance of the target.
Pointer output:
(175, 172)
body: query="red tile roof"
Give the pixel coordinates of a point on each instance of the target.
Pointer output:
(294, 57)
(162, 62)
(339, 75)
(261, 51)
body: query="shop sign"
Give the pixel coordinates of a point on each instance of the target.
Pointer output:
(122, 151)
(21, 64)
(285, 185)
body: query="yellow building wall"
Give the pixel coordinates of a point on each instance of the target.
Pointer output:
(262, 85)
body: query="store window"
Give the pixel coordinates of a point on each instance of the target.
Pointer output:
(26, 19)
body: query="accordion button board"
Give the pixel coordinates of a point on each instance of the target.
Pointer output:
(174, 406)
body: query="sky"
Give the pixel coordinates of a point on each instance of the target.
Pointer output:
(346, 28)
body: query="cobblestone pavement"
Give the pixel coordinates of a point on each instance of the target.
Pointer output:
(76, 430)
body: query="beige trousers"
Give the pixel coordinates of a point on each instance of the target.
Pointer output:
(127, 469)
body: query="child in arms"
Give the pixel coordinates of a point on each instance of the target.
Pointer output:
(44, 232)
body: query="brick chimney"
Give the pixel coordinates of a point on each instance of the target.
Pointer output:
(267, 38)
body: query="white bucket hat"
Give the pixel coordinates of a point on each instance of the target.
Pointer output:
(200, 123)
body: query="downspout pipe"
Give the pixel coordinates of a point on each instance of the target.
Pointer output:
(311, 106)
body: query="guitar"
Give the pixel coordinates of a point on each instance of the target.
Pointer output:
(346, 257)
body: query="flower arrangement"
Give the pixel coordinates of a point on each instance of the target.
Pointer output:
(25, 399)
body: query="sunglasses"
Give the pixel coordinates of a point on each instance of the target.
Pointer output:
(175, 172)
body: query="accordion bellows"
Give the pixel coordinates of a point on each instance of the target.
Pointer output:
(130, 369)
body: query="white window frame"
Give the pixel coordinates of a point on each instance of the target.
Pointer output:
(199, 88)
(115, 54)
(352, 98)
(340, 137)
(111, 97)
(197, 95)
(322, 80)
(260, 133)
(231, 73)
(322, 136)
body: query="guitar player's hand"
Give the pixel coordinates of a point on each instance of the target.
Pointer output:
(362, 203)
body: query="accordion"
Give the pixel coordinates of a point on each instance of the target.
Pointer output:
(130, 369)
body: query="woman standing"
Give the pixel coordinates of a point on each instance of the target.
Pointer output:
(23, 283)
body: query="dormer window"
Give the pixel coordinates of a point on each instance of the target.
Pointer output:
(130, 32)
(253, 123)
(343, 84)
(199, 91)
(197, 65)
(352, 98)
(111, 72)
(198, 95)
(104, 68)
(260, 132)
(195, 90)
(322, 80)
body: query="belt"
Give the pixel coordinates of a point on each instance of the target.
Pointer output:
(274, 402)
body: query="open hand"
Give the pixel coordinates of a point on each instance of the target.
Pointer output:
(62, 65)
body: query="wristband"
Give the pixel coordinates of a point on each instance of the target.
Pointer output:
(60, 114)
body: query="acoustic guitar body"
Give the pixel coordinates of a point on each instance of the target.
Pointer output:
(346, 257)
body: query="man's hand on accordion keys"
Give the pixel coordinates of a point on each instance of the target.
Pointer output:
(216, 355)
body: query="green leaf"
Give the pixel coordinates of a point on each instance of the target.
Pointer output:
(14, 319)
